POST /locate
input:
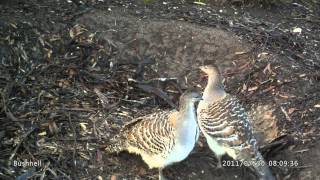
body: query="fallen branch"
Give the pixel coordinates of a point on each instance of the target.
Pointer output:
(277, 145)
(157, 92)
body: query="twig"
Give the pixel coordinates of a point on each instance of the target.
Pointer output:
(74, 140)
(78, 109)
(53, 173)
(104, 100)
(285, 113)
(44, 170)
(277, 144)
(158, 92)
(301, 151)
(132, 101)
(79, 139)
(64, 174)
(19, 144)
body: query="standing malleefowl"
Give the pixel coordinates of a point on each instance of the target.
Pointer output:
(226, 126)
(161, 138)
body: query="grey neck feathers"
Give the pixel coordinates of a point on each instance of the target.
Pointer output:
(214, 89)
(186, 107)
(187, 114)
(188, 123)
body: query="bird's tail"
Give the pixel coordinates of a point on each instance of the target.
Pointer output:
(262, 168)
(116, 145)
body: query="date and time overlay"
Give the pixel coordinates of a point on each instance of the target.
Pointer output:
(272, 163)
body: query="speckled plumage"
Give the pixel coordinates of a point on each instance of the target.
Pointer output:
(227, 122)
(161, 138)
(226, 126)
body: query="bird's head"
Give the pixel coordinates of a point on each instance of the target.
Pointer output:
(190, 96)
(210, 70)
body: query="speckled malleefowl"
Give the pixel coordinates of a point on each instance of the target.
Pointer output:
(161, 138)
(226, 126)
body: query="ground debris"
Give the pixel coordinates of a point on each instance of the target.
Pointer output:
(68, 86)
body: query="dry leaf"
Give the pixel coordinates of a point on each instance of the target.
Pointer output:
(49, 53)
(317, 106)
(253, 88)
(84, 156)
(291, 110)
(267, 68)
(262, 54)
(83, 126)
(42, 133)
(13, 25)
(244, 87)
(76, 31)
(239, 53)
(297, 30)
(199, 3)
(53, 128)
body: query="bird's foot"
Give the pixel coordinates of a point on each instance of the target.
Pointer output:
(161, 177)
(219, 164)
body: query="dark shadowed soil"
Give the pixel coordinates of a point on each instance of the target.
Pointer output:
(71, 74)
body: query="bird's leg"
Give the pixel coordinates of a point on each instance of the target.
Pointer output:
(219, 165)
(161, 177)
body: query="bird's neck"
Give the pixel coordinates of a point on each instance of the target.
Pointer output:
(187, 109)
(188, 128)
(214, 89)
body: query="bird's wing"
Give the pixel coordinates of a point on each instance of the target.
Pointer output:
(134, 121)
(153, 134)
(227, 122)
(172, 118)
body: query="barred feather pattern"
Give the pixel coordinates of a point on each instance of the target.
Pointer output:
(151, 134)
(227, 122)
(116, 145)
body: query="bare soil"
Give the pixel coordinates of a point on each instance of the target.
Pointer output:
(72, 74)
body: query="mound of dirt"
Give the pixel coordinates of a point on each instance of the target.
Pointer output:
(178, 47)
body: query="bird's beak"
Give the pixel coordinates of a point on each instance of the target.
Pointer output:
(203, 75)
(199, 99)
(203, 72)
